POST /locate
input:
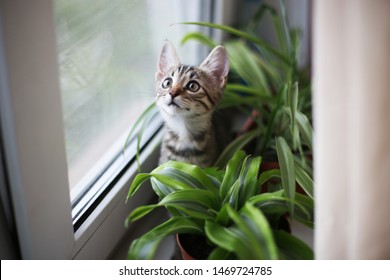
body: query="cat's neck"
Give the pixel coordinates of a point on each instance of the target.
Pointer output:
(189, 127)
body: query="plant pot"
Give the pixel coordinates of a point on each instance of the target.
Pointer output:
(193, 247)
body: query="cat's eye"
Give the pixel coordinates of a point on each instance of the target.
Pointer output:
(193, 86)
(167, 83)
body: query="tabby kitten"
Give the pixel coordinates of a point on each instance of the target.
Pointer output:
(187, 96)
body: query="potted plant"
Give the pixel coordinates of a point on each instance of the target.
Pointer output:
(226, 209)
(267, 86)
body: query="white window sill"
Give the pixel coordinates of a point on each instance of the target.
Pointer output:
(107, 220)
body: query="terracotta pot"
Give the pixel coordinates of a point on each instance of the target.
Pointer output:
(193, 247)
(185, 255)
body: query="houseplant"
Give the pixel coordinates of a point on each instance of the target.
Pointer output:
(227, 208)
(267, 86)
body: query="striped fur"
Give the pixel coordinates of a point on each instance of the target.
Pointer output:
(187, 96)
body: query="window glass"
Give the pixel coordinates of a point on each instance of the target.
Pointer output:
(107, 52)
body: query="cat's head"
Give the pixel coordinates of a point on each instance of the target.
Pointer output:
(189, 90)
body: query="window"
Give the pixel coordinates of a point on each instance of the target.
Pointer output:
(75, 74)
(104, 53)
(107, 57)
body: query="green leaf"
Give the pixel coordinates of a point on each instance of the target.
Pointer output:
(149, 110)
(248, 90)
(271, 123)
(194, 203)
(145, 247)
(215, 175)
(305, 128)
(256, 233)
(191, 175)
(258, 16)
(246, 64)
(306, 217)
(296, 35)
(174, 175)
(233, 169)
(141, 124)
(137, 182)
(161, 189)
(254, 39)
(293, 104)
(225, 237)
(277, 203)
(249, 238)
(235, 99)
(168, 181)
(255, 220)
(250, 175)
(271, 203)
(200, 37)
(291, 247)
(236, 95)
(264, 197)
(235, 146)
(245, 184)
(232, 197)
(139, 212)
(219, 254)
(286, 29)
(304, 180)
(287, 170)
(268, 175)
(223, 216)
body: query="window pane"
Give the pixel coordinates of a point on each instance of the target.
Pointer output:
(107, 53)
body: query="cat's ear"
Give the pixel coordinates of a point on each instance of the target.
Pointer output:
(167, 59)
(217, 63)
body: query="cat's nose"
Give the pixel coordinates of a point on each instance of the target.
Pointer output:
(174, 93)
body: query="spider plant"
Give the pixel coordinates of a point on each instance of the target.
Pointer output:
(227, 208)
(266, 84)
(266, 80)
(224, 203)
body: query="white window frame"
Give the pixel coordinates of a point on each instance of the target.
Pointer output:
(30, 94)
(35, 156)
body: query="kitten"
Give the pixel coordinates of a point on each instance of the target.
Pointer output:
(187, 96)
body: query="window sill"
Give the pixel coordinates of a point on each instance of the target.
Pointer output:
(107, 220)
